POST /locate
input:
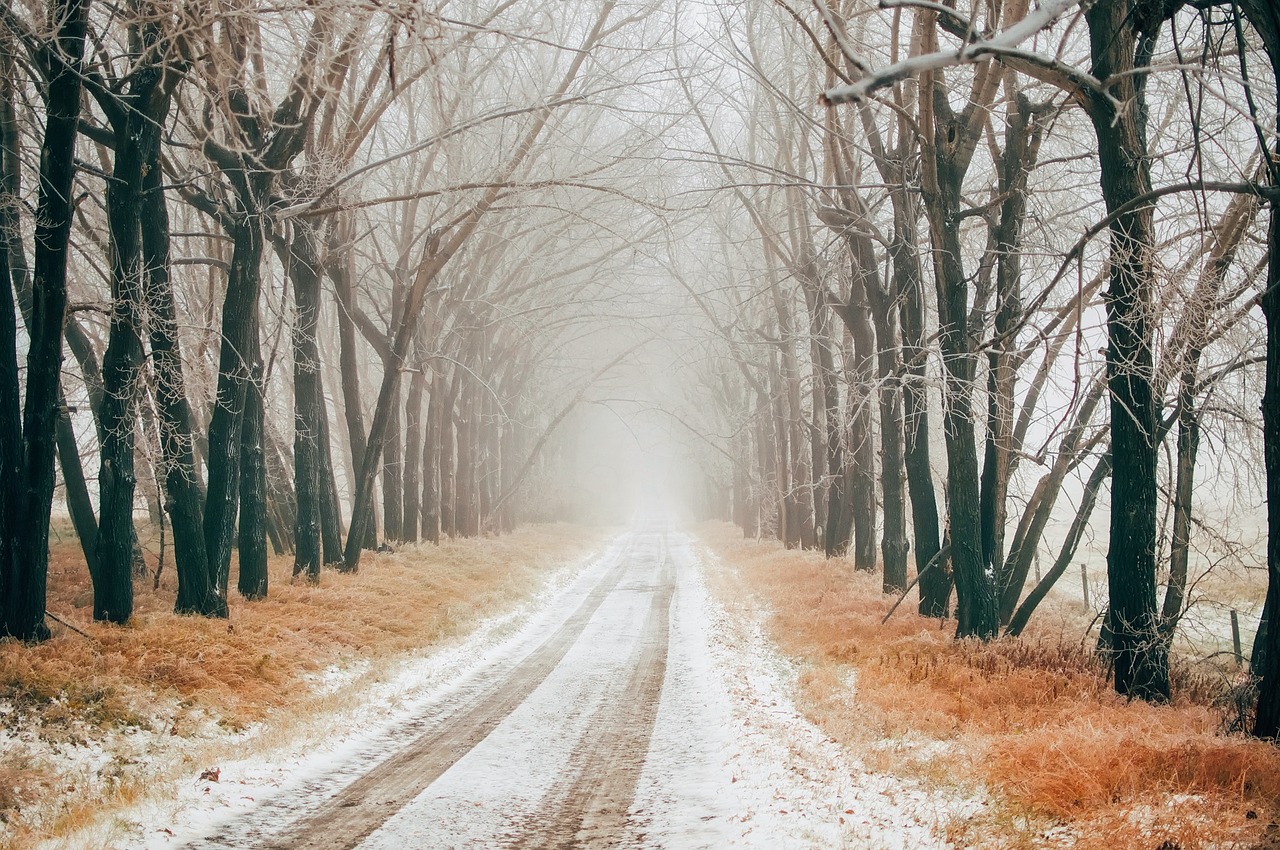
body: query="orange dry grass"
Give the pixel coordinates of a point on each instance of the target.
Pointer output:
(246, 665)
(1034, 720)
(253, 666)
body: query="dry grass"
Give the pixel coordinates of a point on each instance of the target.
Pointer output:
(177, 674)
(1034, 720)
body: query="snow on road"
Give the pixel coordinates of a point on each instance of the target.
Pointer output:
(629, 710)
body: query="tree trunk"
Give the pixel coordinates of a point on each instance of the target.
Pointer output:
(349, 365)
(448, 465)
(1021, 151)
(304, 269)
(330, 510)
(413, 456)
(393, 471)
(23, 577)
(13, 278)
(1141, 659)
(252, 539)
(136, 134)
(976, 607)
(431, 462)
(239, 335)
(935, 584)
(1265, 17)
(79, 503)
(862, 447)
(197, 592)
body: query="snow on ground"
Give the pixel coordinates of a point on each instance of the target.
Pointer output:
(264, 763)
(731, 762)
(750, 770)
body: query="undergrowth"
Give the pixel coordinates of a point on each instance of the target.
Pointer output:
(1033, 721)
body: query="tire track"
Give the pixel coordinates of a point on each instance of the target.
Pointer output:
(590, 807)
(347, 818)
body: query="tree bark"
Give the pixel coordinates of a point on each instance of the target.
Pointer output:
(235, 374)
(1265, 17)
(25, 574)
(349, 367)
(1118, 47)
(196, 588)
(954, 138)
(304, 269)
(431, 462)
(252, 538)
(136, 135)
(413, 457)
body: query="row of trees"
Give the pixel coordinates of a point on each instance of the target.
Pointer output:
(1041, 231)
(922, 245)
(372, 228)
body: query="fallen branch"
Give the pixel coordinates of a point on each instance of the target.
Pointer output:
(56, 618)
(933, 562)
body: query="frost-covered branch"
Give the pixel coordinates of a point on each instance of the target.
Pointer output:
(1003, 46)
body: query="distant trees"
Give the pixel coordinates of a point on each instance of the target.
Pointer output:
(211, 134)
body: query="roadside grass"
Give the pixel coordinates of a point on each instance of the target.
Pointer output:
(91, 724)
(1032, 721)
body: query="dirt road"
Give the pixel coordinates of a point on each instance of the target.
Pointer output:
(634, 712)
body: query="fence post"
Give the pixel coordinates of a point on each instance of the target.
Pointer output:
(1084, 583)
(1235, 638)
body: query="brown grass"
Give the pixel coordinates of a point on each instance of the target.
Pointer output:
(181, 672)
(1032, 720)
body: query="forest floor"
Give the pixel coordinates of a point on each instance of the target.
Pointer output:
(546, 688)
(1029, 726)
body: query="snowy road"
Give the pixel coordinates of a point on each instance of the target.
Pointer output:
(628, 714)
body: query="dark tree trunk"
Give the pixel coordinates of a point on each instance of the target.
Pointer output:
(13, 278)
(448, 466)
(1185, 473)
(307, 465)
(1267, 724)
(431, 462)
(252, 540)
(235, 373)
(1140, 657)
(862, 444)
(935, 584)
(976, 608)
(413, 456)
(1265, 17)
(1021, 150)
(79, 503)
(136, 135)
(196, 589)
(467, 497)
(23, 577)
(393, 470)
(330, 509)
(349, 366)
